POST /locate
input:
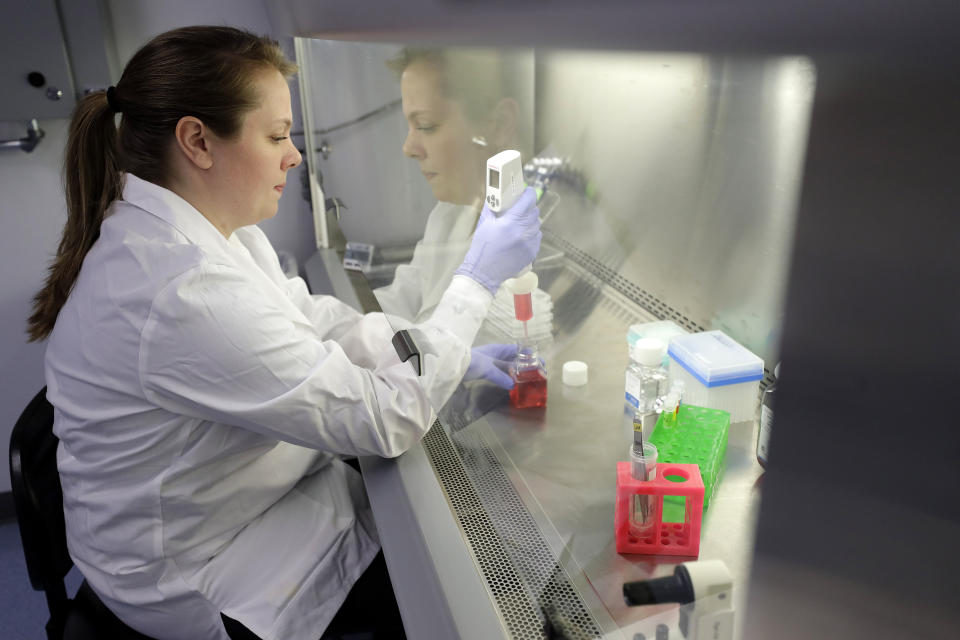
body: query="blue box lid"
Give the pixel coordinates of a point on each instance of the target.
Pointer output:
(715, 359)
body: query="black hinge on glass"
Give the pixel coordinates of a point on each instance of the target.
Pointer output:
(407, 348)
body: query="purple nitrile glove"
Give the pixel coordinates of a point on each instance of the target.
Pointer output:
(503, 245)
(492, 362)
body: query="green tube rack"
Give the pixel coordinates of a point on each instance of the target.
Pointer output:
(699, 436)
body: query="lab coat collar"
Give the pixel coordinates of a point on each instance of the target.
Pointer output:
(171, 208)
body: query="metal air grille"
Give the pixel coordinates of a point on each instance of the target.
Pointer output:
(614, 280)
(525, 580)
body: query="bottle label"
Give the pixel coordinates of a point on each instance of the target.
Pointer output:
(766, 425)
(632, 385)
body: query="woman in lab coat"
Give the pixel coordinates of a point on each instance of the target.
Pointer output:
(461, 107)
(202, 399)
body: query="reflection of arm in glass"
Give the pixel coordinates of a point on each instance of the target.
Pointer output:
(418, 286)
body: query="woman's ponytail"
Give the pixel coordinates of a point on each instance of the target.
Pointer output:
(92, 180)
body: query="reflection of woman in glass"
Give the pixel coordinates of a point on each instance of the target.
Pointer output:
(454, 101)
(461, 107)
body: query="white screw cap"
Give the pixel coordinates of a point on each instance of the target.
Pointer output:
(647, 351)
(522, 284)
(574, 373)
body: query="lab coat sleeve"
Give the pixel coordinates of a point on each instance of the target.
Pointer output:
(329, 316)
(418, 287)
(213, 349)
(404, 296)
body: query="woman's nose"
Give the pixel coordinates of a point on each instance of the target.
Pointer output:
(410, 148)
(293, 159)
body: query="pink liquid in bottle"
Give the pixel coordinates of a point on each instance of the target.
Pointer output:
(529, 389)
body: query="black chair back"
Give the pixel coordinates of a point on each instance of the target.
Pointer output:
(38, 499)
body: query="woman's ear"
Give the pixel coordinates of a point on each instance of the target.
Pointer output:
(192, 141)
(505, 116)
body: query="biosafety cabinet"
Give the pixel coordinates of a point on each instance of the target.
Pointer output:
(785, 174)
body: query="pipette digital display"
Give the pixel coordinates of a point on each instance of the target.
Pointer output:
(504, 180)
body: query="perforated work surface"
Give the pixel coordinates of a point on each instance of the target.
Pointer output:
(525, 580)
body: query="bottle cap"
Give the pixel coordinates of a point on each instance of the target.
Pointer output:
(522, 284)
(647, 351)
(574, 373)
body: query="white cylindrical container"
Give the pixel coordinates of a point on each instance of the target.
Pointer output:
(574, 373)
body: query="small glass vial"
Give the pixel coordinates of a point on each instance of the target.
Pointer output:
(644, 513)
(671, 408)
(766, 419)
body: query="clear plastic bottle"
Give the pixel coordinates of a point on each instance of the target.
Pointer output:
(529, 378)
(528, 372)
(766, 419)
(646, 381)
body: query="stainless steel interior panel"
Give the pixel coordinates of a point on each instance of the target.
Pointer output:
(692, 166)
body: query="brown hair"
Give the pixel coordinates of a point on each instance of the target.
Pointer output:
(206, 72)
(476, 78)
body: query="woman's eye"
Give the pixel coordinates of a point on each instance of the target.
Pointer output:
(279, 138)
(427, 128)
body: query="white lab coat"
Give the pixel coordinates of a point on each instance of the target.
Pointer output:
(201, 398)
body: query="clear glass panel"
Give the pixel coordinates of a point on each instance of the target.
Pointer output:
(670, 185)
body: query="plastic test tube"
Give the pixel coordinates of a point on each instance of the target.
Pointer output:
(643, 466)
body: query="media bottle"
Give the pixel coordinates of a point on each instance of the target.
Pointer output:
(646, 381)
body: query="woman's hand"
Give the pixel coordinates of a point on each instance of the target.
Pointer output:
(503, 245)
(491, 362)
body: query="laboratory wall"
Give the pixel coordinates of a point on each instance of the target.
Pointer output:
(32, 209)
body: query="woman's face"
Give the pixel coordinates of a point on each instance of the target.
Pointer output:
(252, 168)
(439, 137)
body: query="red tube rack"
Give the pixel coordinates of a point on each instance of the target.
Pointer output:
(665, 538)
